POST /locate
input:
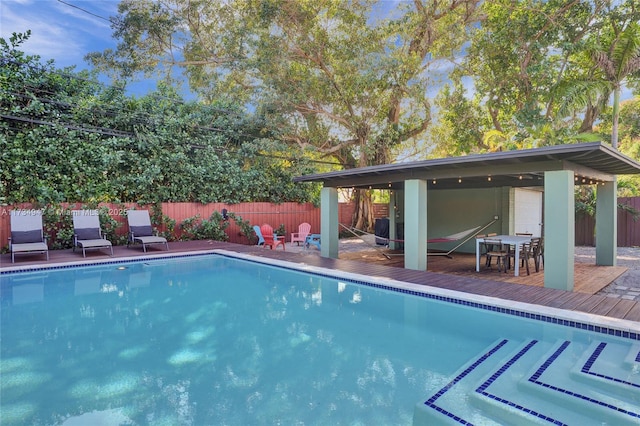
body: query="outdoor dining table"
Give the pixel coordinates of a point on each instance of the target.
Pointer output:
(515, 240)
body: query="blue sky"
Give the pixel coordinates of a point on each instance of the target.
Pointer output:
(62, 32)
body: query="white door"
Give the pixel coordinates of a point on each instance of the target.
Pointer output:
(528, 212)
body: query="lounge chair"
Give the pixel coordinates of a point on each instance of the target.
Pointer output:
(301, 236)
(256, 229)
(87, 233)
(27, 235)
(140, 230)
(270, 239)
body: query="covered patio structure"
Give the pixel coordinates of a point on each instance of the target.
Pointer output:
(555, 170)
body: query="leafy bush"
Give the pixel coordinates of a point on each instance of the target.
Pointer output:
(57, 223)
(206, 229)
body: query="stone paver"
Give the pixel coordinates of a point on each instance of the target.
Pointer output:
(627, 285)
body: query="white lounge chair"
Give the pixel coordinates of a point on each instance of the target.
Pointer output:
(87, 233)
(140, 230)
(26, 233)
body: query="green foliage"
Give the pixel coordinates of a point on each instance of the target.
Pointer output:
(70, 139)
(57, 224)
(194, 228)
(160, 220)
(539, 75)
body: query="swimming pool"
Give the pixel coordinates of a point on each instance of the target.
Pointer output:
(213, 339)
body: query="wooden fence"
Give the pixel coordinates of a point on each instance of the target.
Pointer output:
(628, 228)
(292, 214)
(288, 214)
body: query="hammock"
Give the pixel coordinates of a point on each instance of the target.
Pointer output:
(453, 237)
(468, 233)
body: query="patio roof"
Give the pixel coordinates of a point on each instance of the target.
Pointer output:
(591, 163)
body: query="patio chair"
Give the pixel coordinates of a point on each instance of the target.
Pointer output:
(270, 239)
(527, 253)
(538, 254)
(312, 239)
(256, 229)
(303, 230)
(499, 251)
(27, 235)
(87, 233)
(140, 230)
(487, 248)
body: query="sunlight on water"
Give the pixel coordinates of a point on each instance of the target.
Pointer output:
(120, 384)
(131, 353)
(17, 413)
(11, 364)
(111, 387)
(199, 335)
(185, 356)
(23, 381)
(113, 417)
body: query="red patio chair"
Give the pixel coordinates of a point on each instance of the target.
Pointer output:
(269, 238)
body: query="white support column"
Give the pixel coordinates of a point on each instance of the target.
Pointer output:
(415, 222)
(329, 222)
(559, 229)
(607, 223)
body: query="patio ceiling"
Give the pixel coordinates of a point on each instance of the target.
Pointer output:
(591, 163)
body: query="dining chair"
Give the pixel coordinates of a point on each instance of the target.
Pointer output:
(496, 249)
(487, 248)
(527, 252)
(538, 254)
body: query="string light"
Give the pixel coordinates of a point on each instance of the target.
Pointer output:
(489, 178)
(459, 180)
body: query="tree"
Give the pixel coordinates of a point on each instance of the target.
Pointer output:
(534, 82)
(629, 143)
(333, 77)
(620, 61)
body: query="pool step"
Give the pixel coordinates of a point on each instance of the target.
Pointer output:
(598, 365)
(535, 382)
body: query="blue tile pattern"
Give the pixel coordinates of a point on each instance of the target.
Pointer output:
(482, 389)
(535, 378)
(431, 401)
(586, 368)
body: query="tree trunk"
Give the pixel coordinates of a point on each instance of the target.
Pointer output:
(616, 117)
(363, 217)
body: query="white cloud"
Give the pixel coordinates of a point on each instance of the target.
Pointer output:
(58, 31)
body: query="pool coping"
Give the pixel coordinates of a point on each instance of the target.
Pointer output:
(573, 319)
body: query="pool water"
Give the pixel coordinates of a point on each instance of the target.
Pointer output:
(204, 340)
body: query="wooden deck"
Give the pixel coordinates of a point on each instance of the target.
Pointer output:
(454, 274)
